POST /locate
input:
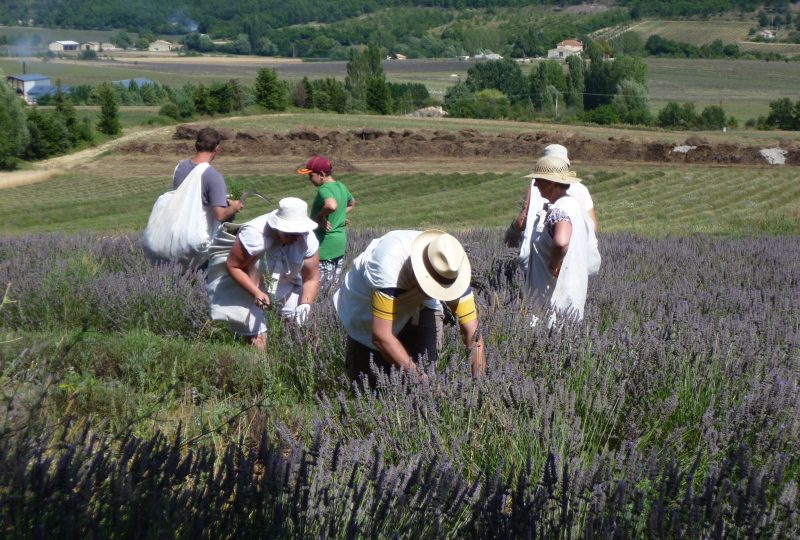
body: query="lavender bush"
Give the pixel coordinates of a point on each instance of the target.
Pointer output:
(672, 410)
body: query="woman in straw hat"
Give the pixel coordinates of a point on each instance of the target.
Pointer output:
(389, 302)
(280, 243)
(577, 191)
(560, 251)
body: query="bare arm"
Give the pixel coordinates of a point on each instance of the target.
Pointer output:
(561, 237)
(329, 206)
(311, 276)
(389, 346)
(225, 214)
(240, 266)
(523, 214)
(473, 341)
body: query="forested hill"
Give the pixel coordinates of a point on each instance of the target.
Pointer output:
(329, 29)
(232, 16)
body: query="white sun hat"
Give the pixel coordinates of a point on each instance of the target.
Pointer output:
(440, 265)
(557, 150)
(291, 217)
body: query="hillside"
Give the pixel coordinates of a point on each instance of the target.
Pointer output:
(435, 28)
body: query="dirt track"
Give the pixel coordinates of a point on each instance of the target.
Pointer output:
(48, 168)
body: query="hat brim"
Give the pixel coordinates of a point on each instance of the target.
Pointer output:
(304, 171)
(292, 227)
(557, 178)
(445, 292)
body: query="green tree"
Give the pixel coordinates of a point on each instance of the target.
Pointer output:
(329, 95)
(547, 84)
(713, 117)
(379, 97)
(781, 115)
(575, 82)
(48, 135)
(362, 67)
(504, 75)
(269, 91)
(677, 116)
(459, 101)
(628, 44)
(109, 110)
(302, 94)
(631, 103)
(122, 39)
(13, 127)
(77, 131)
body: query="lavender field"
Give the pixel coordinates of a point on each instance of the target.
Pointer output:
(673, 410)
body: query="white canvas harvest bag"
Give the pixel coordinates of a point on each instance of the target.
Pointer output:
(180, 229)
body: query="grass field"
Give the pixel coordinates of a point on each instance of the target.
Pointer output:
(649, 200)
(695, 32)
(743, 87)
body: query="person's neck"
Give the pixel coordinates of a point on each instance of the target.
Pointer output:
(327, 179)
(203, 157)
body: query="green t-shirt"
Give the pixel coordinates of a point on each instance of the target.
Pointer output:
(332, 243)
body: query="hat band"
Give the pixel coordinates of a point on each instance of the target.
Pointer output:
(432, 271)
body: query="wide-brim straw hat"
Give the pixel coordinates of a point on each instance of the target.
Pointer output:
(291, 217)
(440, 265)
(554, 169)
(557, 150)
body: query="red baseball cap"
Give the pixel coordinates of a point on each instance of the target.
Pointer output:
(317, 164)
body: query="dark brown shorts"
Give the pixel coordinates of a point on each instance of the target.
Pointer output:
(421, 340)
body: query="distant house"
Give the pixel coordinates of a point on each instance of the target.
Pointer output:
(160, 45)
(32, 86)
(91, 46)
(566, 48)
(766, 34)
(488, 56)
(63, 46)
(399, 56)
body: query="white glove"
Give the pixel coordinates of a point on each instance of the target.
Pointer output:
(301, 314)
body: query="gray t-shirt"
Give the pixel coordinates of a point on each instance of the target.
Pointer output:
(215, 192)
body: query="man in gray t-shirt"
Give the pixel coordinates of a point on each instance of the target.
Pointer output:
(215, 192)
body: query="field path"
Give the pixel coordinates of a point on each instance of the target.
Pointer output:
(43, 170)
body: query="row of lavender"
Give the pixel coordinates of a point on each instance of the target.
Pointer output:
(674, 408)
(85, 486)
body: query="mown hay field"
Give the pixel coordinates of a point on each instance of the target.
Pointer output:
(695, 32)
(643, 199)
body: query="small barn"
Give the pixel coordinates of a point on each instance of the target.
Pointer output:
(95, 46)
(24, 85)
(63, 46)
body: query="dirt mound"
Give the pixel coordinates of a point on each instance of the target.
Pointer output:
(373, 143)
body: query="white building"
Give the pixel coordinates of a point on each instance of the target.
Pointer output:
(566, 48)
(91, 46)
(160, 45)
(63, 46)
(24, 85)
(488, 56)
